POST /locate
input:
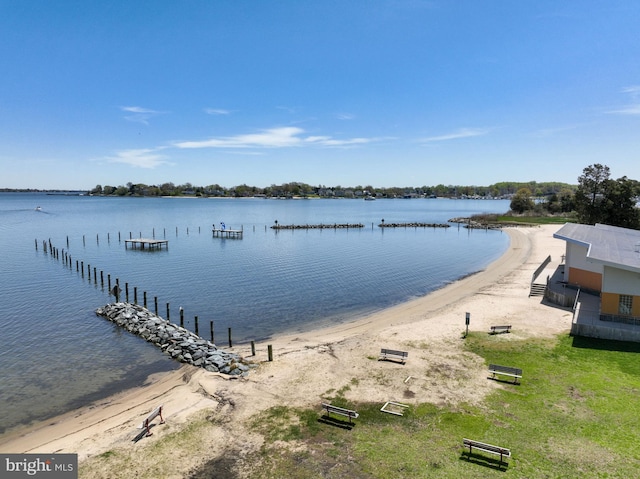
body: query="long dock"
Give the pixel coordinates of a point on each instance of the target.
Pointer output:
(225, 233)
(151, 243)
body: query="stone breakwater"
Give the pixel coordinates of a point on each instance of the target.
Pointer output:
(318, 227)
(413, 225)
(178, 342)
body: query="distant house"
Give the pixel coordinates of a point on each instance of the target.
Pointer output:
(605, 261)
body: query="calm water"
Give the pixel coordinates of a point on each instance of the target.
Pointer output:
(57, 354)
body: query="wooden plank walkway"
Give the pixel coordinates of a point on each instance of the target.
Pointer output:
(225, 233)
(151, 243)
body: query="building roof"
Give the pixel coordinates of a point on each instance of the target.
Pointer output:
(609, 245)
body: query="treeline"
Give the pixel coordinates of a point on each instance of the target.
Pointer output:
(598, 198)
(498, 190)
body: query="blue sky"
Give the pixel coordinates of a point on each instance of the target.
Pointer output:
(358, 92)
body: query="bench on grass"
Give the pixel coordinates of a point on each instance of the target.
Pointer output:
(340, 410)
(393, 354)
(501, 329)
(515, 373)
(491, 449)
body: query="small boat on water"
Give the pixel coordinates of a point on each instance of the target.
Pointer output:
(38, 208)
(369, 198)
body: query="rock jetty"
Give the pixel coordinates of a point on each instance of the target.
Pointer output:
(413, 225)
(178, 342)
(473, 224)
(318, 227)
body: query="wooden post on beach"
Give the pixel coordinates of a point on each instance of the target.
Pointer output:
(36, 244)
(168, 315)
(116, 290)
(109, 279)
(230, 343)
(135, 295)
(270, 352)
(126, 291)
(82, 268)
(466, 321)
(67, 241)
(102, 277)
(83, 243)
(253, 348)
(95, 275)
(89, 271)
(144, 294)
(196, 322)
(155, 302)
(181, 317)
(211, 326)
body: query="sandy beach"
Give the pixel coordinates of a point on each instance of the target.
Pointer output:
(309, 366)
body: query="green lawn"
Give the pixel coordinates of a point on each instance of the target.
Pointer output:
(575, 414)
(538, 220)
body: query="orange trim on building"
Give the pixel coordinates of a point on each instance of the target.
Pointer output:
(585, 279)
(609, 303)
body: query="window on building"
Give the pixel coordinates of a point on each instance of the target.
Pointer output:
(625, 304)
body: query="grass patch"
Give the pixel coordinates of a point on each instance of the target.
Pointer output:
(573, 415)
(535, 220)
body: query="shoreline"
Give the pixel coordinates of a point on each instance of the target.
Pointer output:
(304, 363)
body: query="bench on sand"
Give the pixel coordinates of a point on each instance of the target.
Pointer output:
(497, 450)
(386, 354)
(145, 424)
(340, 410)
(501, 329)
(515, 373)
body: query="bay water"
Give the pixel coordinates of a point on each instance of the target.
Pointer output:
(57, 355)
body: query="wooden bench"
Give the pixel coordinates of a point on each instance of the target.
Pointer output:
(491, 449)
(339, 410)
(515, 373)
(145, 424)
(502, 329)
(386, 354)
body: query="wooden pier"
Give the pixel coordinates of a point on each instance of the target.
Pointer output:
(225, 233)
(151, 243)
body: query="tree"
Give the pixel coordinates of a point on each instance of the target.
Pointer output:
(600, 199)
(591, 185)
(619, 205)
(522, 201)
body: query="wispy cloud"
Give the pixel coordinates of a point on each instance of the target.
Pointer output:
(345, 116)
(216, 111)
(548, 132)
(456, 135)
(282, 137)
(139, 114)
(633, 108)
(141, 158)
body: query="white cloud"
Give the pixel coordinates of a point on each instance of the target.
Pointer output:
(282, 137)
(141, 158)
(345, 116)
(456, 135)
(139, 114)
(633, 108)
(216, 111)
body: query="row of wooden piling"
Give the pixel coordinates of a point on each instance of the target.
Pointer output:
(116, 290)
